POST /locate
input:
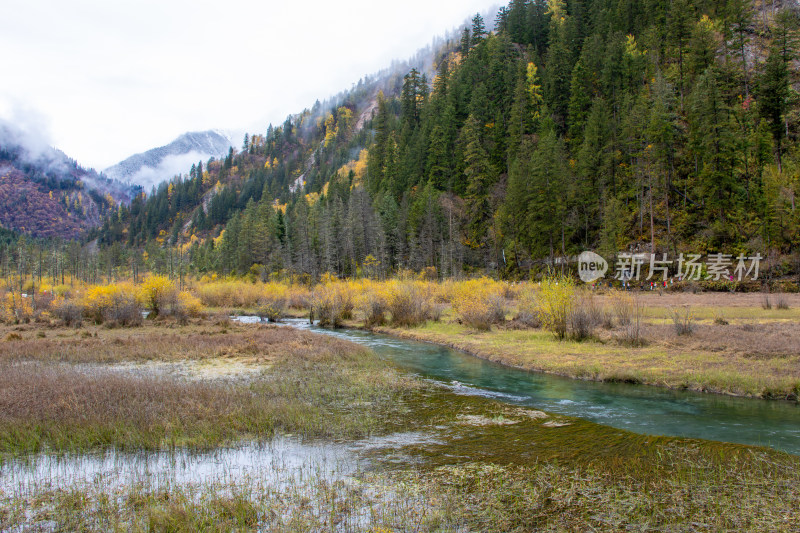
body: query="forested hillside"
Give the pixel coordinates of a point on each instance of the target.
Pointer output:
(46, 194)
(646, 125)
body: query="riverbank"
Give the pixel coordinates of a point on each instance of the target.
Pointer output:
(735, 346)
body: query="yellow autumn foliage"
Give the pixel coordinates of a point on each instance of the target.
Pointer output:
(17, 309)
(479, 303)
(554, 303)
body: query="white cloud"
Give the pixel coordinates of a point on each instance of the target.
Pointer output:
(172, 165)
(120, 77)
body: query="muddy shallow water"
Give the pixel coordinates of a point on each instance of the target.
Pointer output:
(284, 461)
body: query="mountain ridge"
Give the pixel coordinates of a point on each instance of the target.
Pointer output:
(148, 169)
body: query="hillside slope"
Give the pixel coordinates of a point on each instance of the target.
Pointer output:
(44, 193)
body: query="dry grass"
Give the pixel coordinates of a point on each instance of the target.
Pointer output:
(743, 340)
(162, 341)
(66, 394)
(65, 408)
(517, 472)
(653, 299)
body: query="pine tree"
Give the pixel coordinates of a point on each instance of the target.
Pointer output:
(546, 209)
(712, 138)
(557, 77)
(466, 42)
(773, 93)
(478, 30)
(580, 102)
(479, 176)
(739, 16)
(377, 154)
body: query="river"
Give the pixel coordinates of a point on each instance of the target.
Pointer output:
(638, 408)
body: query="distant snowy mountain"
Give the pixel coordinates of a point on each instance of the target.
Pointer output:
(150, 168)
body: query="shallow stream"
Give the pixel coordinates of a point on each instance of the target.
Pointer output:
(638, 408)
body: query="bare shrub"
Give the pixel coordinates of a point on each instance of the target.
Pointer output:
(510, 291)
(272, 307)
(607, 318)
(408, 304)
(125, 313)
(781, 302)
(766, 303)
(581, 326)
(527, 310)
(632, 309)
(623, 306)
(222, 318)
(682, 320)
(435, 311)
(373, 308)
(584, 317)
(482, 311)
(69, 313)
(528, 318)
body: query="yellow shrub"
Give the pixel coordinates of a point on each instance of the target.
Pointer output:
(372, 305)
(554, 303)
(410, 302)
(158, 293)
(117, 302)
(298, 297)
(64, 291)
(445, 291)
(190, 305)
(230, 293)
(479, 303)
(332, 303)
(272, 302)
(17, 309)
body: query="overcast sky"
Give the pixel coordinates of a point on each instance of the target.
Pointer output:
(109, 78)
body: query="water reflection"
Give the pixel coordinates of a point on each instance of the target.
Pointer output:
(279, 463)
